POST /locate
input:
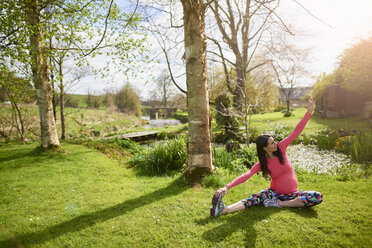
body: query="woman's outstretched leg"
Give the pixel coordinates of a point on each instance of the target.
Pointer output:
(255, 199)
(234, 207)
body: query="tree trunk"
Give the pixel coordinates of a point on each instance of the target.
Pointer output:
(239, 93)
(39, 66)
(164, 95)
(52, 83)
(62, 100)
(21, 130)
(199, 143)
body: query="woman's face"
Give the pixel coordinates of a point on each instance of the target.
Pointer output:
(272, 146)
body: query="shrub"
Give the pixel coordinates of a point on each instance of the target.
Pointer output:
(129, 145)
(349, 172)
(358, 146)
(278, 131)
(287, 114)
(228, 160)
(222, 158)
(227, 118)
(326, 139)
(162, 158)
(162, 135)
(71, 101)
(306, 139)
(248, 155)
(280, 108)
(128, 101)
(361, 147)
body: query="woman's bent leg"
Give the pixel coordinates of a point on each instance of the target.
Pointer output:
(300, 199)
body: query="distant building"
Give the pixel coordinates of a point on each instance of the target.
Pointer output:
(338, 102)
(297, 96)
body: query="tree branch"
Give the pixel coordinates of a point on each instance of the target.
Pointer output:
(312, 14)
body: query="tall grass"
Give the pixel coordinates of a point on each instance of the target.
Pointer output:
(239, 160)
(162, 158)
(326, 139)
(358, 146)
(362, 147)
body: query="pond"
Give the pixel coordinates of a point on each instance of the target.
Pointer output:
(160, 122)
(312, 159)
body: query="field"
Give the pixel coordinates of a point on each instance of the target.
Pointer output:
(79, 197)
(264, 121)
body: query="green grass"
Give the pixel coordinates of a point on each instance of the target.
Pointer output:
(81, 198)
(84, 123)
(263, 121)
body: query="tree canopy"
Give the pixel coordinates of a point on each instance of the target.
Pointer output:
(354, 71)
(355, 68)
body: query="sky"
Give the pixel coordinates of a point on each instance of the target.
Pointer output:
(332, 26)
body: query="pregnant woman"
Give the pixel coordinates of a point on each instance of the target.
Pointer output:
(273, 161)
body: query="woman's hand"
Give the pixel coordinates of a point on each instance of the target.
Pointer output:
(222, 191)
(310, 105)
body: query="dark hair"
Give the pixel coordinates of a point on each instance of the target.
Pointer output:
(261, 142)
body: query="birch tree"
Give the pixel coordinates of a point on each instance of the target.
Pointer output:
(194, 57)
(199, 140)
(242, 25)
(24, 31)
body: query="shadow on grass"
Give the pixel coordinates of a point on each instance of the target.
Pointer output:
(84, 221)
(31, 158)
(245, 221)
(20, 153)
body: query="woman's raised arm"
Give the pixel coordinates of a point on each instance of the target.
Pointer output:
(300, 126)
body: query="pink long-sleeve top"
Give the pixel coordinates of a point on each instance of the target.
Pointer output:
(283, 178)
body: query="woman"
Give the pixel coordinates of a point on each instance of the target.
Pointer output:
(273, 161)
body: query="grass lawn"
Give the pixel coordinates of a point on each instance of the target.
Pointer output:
(81, 198)
(263, 121)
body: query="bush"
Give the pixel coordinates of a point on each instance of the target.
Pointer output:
(222, 158)
(361, 147)
(278, 131)
(228, 160)
(280, 108)
(162, 158)
(248, 155)
(129, 145)
(162, 135)
(326, 139)
(358, 146)
(288, 114)
(128, 101)
(350, 172)
(227, 118)
(71, 101)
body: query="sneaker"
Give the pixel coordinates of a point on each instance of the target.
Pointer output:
(218, 205)
(274, 202)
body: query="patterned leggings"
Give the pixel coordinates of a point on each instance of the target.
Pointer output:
(309, 198)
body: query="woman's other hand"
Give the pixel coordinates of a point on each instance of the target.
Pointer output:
(310, 105)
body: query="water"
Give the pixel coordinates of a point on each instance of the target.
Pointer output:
(160, 122)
